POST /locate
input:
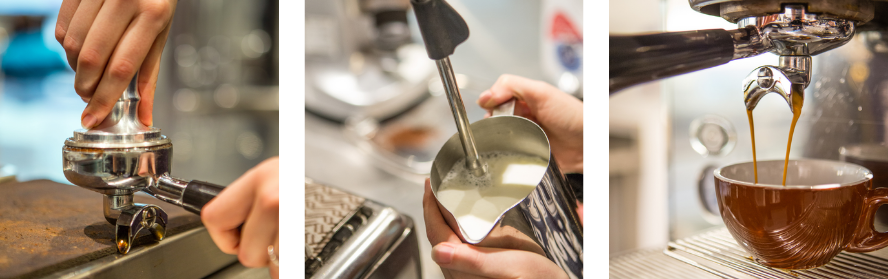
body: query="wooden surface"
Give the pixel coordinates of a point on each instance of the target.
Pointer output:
(47, 226)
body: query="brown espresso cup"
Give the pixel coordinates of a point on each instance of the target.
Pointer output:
(826, 207)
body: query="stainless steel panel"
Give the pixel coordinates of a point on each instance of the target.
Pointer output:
(191, 254)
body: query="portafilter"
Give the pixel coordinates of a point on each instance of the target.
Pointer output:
(122, 156)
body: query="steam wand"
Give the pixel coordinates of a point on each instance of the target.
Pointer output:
(442, 30)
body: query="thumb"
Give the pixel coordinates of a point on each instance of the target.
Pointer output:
(494, 262)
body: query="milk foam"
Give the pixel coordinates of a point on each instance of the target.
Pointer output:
(476, 202)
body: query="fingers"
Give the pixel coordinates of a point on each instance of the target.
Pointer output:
(509, 86)
(110, 24)
(126, 59)
(437, 229)
(78, 27)
(261, 226)
(66, 12)
(224, 214)
(494, 262)
(253, 195)
(148, 78)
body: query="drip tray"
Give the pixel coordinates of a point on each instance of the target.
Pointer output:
(717, 253)
(651, 264)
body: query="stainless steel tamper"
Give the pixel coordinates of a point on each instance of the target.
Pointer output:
(120, 157)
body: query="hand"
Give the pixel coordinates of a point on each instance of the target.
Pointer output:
(559, 114)
(243, 219)
(460, 260)
(106, 43)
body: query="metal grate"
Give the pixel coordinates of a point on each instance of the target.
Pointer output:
(651, 264)
(714, 250)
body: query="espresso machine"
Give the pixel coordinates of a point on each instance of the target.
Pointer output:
(831, 52)
(361, 60)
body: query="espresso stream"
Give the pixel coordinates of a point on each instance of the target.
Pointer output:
(797, 102)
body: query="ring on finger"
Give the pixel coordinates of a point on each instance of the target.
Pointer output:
(272, 256)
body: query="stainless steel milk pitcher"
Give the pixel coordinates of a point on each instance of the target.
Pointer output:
(544, 222)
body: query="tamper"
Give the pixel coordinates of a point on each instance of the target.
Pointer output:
(120, 157)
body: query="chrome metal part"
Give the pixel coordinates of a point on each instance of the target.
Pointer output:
(795, 31)
(748, 42)
(168, 189)
(190, 254)
(116, 171)
(112, 205)
(135, 218)
(367, 246)
(544, 222)
(717, 249)
(712, 135)
(473, 162)
(122, 127)
(654, 263)
(734, 10)
(789, 80)
(120, 157)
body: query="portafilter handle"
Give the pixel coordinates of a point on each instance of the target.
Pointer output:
(191, 195)
(642, 58)
(792, 32)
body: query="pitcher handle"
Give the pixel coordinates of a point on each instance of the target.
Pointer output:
(866, 238)
(504, 109)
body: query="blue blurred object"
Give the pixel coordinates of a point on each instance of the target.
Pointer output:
(28, 56)
(29, 7)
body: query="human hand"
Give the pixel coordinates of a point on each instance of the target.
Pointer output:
(460, 260)
(243, 218)
(106, 43)
(559, 114)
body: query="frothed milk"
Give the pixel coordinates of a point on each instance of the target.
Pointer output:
(476, 202)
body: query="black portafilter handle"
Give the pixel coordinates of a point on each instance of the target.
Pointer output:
(441, 26)
(191, 195)
(199, 193)
(642, 58)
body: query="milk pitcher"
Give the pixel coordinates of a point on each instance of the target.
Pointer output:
(546, 220)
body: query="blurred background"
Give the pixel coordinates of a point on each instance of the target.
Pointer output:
(216, 98)
(374, 105)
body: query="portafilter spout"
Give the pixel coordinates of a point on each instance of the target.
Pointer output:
(442, 30)
(122, 156)
(789, 80)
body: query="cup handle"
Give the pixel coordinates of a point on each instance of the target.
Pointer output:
(866, 238)
(507, 109)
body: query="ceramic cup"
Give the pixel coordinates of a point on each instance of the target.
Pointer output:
(826, 207)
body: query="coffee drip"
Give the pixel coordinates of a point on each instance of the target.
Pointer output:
(789, 80)
(796, 112)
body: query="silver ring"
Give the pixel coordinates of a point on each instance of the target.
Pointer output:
(272, 257)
